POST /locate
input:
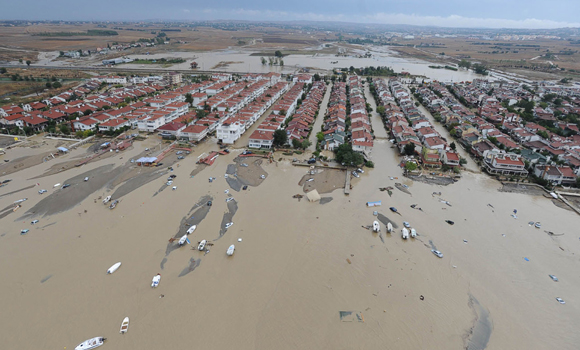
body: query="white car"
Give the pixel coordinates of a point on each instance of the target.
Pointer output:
(561, 301)
(34, 222)
(437, 253)
(169, 183)
(406, 224)
(355, 174)
(42, 191)
(87, 178)
(360, 170)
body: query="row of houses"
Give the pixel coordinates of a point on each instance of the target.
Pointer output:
(300, 126)
(282, 110)
(409, 126)
(334, 125)
(361, 136)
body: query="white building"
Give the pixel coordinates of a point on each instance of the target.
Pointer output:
(230, 130)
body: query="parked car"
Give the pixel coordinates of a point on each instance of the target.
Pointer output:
(245, 187)
(209, 203)
(87, 178)
(65, 185)
(437, 253)
(355, 174)
(169, 183)
(311, 161)
(360, 170)
(34, 222)
(172, 176)
(42, 191)
(180, 157)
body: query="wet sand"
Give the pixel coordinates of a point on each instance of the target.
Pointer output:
(289, 278)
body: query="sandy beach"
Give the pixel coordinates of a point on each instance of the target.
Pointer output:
(298, 266)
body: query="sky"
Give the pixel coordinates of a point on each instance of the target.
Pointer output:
(443, 13)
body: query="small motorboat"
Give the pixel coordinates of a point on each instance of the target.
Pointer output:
(155, 281)
(376, 226)
(86, 179)
(56, 185)
(91, 343)
(113, 268)
(229, 224)
(405, 233)
(406, 224)
(106, 200)
(561, 301)
(437, 253)
(389, 227)
(538, 225)
(124, 325)
(229, 199)
(191, 229)
(554, 278)
(25, 231)
(201, 245)
(231, 249)
(450, 222)
(393, 209)
(113, 204)
(182, 240)
(413, 233)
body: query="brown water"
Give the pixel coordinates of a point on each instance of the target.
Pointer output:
(289, 278)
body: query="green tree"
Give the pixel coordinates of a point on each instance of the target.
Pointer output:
(264, 62)
(345, 155)
(48, 85)
(410, 166)
(409, 149)
(480, 69)
(28, 62)
(305, 144)
(453, 146)
(278, 53)
(280, 138)
(464, 64)
(296, 143)
(3, 70)
(320, 136)
(188, 98)
(381, 110)
(64, 129)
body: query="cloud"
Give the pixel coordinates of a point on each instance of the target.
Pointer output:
(185, 11)
(455, 21)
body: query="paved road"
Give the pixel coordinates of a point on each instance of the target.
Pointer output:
(320, 118)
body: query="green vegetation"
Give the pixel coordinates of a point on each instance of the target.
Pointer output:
(409, 149)
(410, 166)
(480, 69)
(464, 64)
(90, 32)
(345, 155)
(280, 138)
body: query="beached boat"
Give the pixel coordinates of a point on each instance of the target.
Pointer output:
(376, 226)
(106, 200)
(113, 268)
(231, 250)
(191, 229)
(389, 227)
(124, 325)
(91, 343)
(393, 209)
(113, 204)
(155, 281)
(405, 233)
(182, 240)
(413, 233)
(201, 245)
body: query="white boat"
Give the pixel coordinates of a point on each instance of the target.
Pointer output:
(124, 325)
(58, 184)
(114, 268)
(155, 281)
(91, 343)
(231, 250)
(413, 233)
(405, 233)
(191, 229)
(182, 240)
(201, 245)
(389, 227)
(229, 224)
(376, 226)
(106, 200)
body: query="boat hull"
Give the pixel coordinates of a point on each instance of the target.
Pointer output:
(124, 325)
(91, 343)
(113, 268)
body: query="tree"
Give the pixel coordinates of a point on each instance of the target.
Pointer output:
(188, 98)
(28, 62)
(3, 70)
(305, 144)
(48, 85)
(480, 69)
(278, 53)
(409, 149)
(296, 143)
(453, 146)
(410, 166)
(320, 136)
(280, 138)
(64, 129)
(316, 77)
(381, 110)
(345, 155)
(465, 64)
(264, 62)
(281, 63)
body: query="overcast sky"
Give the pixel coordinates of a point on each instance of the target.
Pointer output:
(444, 13)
